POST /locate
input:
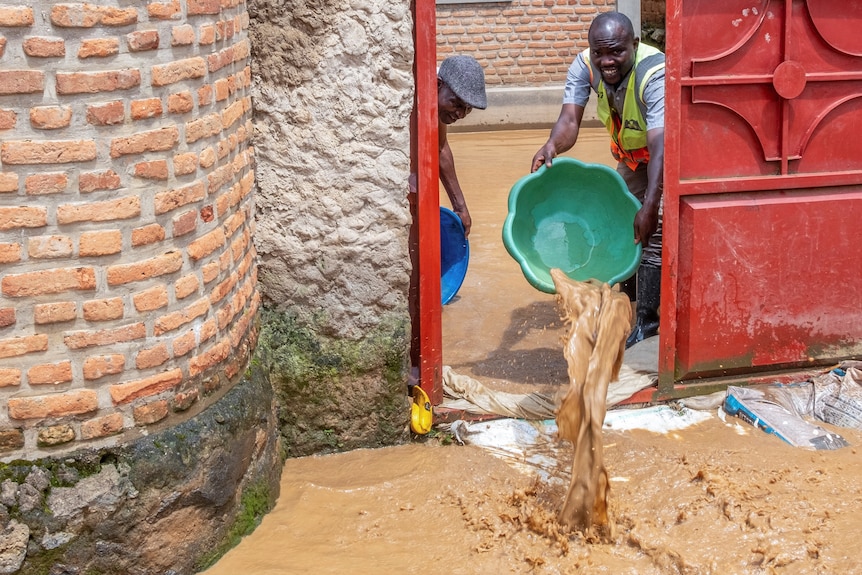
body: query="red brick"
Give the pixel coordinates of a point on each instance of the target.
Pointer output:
(184, 400)
(172, 321)
(99, 48)
(142, 40)
(146, 269)
(169, 200)
(8, 182)
(165, 10)
(43, 184)
(207, 214)
(206, 244)
(70, 83)
(210, 358)
(184, 164)
(207, 35)
(40, 47)
(22, 217)
(152, 141)
(222, 90)
(21, 81)
(47, 152)
(74, 402)
(187, 69)
(119, 209)
(199, 7)
(54, 312)
(205, 127)
(210, 271)
(10, 377)
(151, 412)
(103, 309)
(151, 299)
(7, 316)
(2, 46)
(154, 170)
(18, 346)
(84, 339)
(102, 426)
(10, 253)
(180, 103)
(145, 109)
(48, 247)
(208, 157)
(208, 330)
(152, 357)
(44, 282)
(50, 373)
(100, 243)
(125, 392)
(16, 16)
(50, 117)
(219, 177)
(96, 181)
(184, 223)
(148, 234)
(98, 366)
(106, 114)
(90, 15)
(184, 344)
(186, 286)
(182, 35)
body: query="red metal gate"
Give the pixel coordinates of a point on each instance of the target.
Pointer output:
(763, 190)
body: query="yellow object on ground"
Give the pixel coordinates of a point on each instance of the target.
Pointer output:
(421, 416)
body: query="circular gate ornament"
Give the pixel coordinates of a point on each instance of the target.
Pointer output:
(789, 79)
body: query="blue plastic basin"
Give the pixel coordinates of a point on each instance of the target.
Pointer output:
(454, 254)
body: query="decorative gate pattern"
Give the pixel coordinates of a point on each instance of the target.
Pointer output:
(763, 188)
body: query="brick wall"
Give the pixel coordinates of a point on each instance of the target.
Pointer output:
(127, 272)
(518, 43)
(653, 12)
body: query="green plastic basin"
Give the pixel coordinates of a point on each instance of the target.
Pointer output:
(573, 216)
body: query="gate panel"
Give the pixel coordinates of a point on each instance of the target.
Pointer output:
(763, 188)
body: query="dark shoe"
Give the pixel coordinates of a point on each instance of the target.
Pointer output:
(642, 331)
(646, 309)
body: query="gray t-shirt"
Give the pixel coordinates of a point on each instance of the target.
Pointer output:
(578, 90)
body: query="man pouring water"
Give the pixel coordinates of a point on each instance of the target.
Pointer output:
(628, 79)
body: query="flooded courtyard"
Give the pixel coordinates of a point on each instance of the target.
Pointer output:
(716, 497)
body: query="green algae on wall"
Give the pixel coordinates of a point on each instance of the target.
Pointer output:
(336, 394)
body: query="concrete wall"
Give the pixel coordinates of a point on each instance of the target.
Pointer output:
(333, 93)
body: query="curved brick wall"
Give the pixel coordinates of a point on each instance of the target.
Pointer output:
(127, 272)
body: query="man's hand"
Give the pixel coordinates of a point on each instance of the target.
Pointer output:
(545, 155)
(646, 223)
(466, 220)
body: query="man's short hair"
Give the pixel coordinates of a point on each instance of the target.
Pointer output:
(465, 77)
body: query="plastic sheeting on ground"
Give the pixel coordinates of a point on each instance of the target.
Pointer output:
(533, 446)
(464, 393)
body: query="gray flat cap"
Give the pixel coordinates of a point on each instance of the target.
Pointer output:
(466, 78)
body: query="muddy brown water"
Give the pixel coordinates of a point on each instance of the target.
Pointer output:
(715, 498)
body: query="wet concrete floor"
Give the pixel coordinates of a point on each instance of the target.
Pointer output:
(717, 497)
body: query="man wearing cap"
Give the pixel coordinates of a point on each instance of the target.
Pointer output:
(460, 88)
(628, 78)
